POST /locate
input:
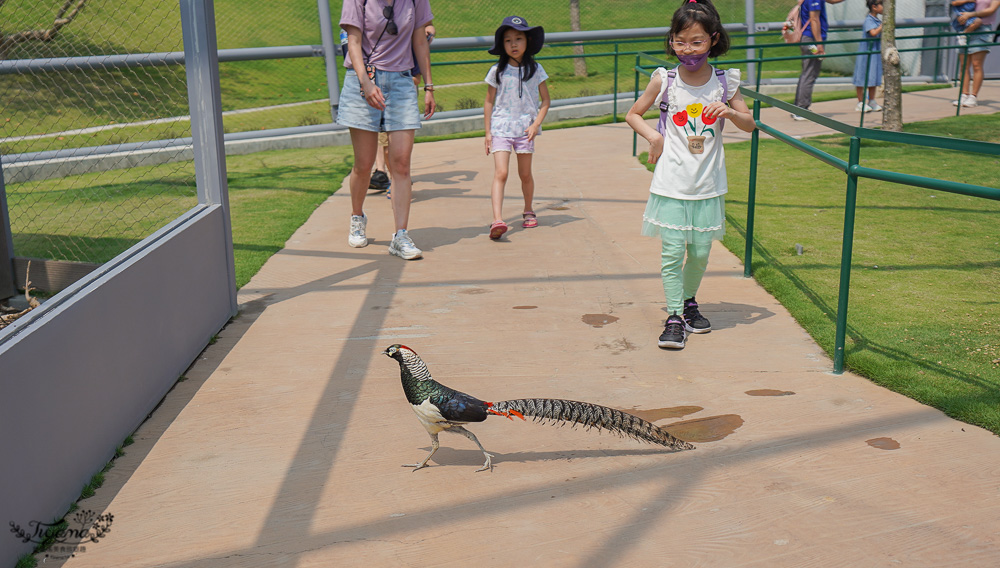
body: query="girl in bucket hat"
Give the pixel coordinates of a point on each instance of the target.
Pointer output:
(517, 100)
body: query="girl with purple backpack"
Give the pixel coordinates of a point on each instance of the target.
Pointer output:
(686, 206)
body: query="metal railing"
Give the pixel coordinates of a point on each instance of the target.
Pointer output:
(854, 172)
(851, 167)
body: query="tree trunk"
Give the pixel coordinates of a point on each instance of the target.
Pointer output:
(579, 63)
(892, 116)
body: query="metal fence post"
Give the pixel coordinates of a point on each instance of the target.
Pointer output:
(845, 255)
(7, 285)
(201, 62)
(751, 192)
(760, 67)
(864, 90)
(329, 55)
(635, 92)
(751, 24)
(963, 79)
(614, 104)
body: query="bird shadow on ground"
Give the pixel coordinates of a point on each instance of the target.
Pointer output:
(727, 315)
(452, 457)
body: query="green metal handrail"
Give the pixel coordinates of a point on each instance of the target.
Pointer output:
(855, 171)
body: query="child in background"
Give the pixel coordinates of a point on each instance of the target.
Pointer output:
(872, 32)
(686, 207)
(971, 25)
(380, 177)
(517, 100)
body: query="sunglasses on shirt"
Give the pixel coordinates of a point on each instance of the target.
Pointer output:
(390, 26)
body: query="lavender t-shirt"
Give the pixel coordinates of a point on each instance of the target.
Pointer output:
(392, 52)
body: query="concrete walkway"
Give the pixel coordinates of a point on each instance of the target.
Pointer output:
(283, 446)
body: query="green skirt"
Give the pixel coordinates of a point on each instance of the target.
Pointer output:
(698, 221)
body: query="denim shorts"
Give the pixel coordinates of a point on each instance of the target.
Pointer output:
(400, 112)
(980, 40)
(519, 145)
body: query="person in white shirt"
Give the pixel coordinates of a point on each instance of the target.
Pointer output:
(517, 100)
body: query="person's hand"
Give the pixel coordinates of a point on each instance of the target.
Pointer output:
(429, 105)
(655, 148)
(964, 17)
(718, 109)
(820, 50)
(374, 96)
(531, 131)
(489, 142)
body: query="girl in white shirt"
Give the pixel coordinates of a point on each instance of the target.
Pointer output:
(686, 206)
(517, 100)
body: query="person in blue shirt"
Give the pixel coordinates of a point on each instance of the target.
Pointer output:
(812, 16)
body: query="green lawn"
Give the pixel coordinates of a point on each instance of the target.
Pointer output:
(94, 217)
(923, 319)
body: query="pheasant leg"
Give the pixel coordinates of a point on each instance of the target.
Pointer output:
(434, 447)
(489, 457)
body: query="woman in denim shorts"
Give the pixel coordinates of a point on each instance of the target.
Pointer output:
(378, 96)
(979, 45)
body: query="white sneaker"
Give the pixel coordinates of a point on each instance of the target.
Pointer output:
(969, 101)
(875, 107)
(961, 39)
(797, 117)
(357, 238)
(961, 100)
(403, 247)
(862, 106)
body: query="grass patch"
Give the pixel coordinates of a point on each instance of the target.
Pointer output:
(271, 194)
(58, 525)
(923, 319)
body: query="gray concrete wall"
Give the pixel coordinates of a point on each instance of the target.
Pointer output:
(72, 390)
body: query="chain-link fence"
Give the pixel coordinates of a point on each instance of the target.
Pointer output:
(48, 109)
(75, 76)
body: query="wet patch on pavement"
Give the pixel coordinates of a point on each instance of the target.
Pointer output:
(598, 320)
(708, 429)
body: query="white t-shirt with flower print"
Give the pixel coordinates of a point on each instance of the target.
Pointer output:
(679, 173)
(514, 109)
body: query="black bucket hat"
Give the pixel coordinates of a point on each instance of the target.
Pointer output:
(536, 35)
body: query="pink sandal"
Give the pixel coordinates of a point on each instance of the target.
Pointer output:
(530, 220)
(497, 230)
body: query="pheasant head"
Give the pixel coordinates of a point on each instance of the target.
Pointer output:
(413, 372)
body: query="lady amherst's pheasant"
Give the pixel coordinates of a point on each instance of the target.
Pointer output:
(440, 408)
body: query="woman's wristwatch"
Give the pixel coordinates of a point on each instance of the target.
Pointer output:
(429, 87)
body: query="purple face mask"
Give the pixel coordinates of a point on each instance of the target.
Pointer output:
(692, 62)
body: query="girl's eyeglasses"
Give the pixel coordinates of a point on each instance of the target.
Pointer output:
(391, 25)
(679, 45)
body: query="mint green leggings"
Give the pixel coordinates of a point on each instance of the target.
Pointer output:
(681, 279)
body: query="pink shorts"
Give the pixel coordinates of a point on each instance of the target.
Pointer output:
(518, 145)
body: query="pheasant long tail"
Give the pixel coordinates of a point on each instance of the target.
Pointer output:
(590, 416)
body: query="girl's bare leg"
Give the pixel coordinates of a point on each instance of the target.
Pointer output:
(527, 180)
(501, 161)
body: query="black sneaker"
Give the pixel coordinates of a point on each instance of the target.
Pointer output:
(380, 181)
(694, 322)
(673, 333)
